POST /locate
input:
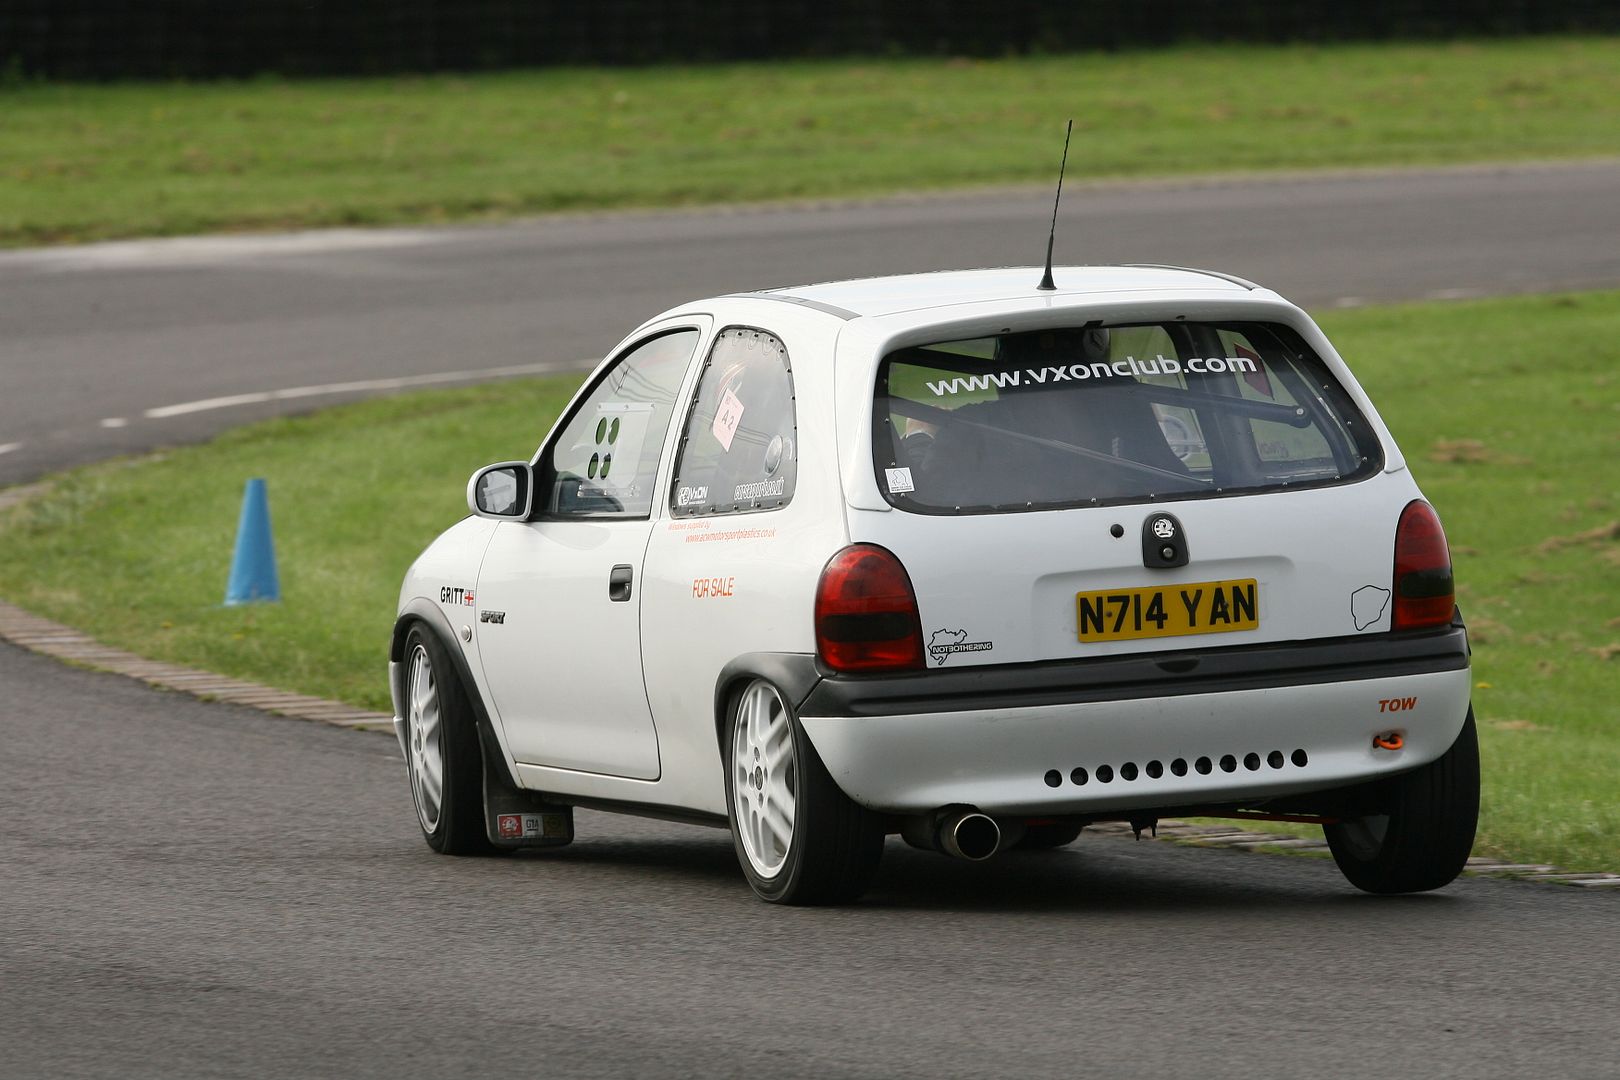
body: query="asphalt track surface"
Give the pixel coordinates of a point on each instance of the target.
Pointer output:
(192, 889)
(111, 332)
(202, 890)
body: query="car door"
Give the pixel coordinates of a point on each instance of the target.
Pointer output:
(563, 659)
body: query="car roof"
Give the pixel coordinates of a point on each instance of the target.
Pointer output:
(880, 296)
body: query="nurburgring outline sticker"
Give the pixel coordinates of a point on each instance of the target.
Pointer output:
(1367, 605)
(944, 643)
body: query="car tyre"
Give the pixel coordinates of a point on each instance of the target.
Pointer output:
(1423, 842)
(798, 837)
(1048, 837)
(442, 755)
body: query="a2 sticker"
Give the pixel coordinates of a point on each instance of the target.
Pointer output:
(727, 418)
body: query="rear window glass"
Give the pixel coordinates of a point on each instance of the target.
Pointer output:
(1098, 415)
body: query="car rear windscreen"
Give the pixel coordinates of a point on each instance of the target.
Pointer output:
(1098, 415)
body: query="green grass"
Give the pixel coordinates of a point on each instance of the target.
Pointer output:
(88, 162)
(1509, 411)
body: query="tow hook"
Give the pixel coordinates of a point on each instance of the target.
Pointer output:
(1389, 740)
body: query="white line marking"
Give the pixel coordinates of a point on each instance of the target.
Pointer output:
(215, 250)
(114, 422)
(360, 386)
(6, 448)
(1451, 294)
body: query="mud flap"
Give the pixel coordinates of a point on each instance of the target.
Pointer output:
(514, 818)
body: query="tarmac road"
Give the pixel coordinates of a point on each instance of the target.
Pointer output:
(103, 335)
(191, 889)
(197, 890)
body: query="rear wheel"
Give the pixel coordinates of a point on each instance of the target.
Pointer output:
(441, 751)
(1423, 841)
(799, 838)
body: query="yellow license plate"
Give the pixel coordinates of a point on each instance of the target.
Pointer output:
(1201, 607)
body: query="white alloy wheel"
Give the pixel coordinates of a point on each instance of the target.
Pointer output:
(764, 778)
(424, 728)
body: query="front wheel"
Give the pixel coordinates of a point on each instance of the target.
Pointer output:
(441, 751)
(799, 838)
(1423, 840)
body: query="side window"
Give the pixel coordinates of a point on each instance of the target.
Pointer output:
(604, 461)
(739, 450)
(1284, 449)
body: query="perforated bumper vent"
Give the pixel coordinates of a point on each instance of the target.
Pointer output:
(1127, 772)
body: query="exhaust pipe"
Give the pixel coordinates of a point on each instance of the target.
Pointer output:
(969, 835)
(962, 832)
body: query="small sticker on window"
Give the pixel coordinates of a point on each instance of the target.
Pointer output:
(726, 419)
(900, 481)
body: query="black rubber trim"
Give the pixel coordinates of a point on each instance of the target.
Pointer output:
(657, 811)
(1166, 674)
(794, 674)
(428, 613)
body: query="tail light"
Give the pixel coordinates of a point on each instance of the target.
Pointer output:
(866, 613)
(1424, 593)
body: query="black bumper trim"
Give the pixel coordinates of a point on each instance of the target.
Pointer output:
(1167, 674)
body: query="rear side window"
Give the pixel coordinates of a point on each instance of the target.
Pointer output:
(739, 449)
(1098, 415)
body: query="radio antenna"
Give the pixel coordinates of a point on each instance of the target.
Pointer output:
(1047, 284)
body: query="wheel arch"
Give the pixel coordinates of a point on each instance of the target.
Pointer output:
(794, 674)
(424, 612)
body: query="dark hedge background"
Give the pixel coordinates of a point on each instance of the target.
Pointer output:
(206, 39)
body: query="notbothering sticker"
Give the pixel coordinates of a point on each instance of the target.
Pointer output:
(946, 643)
(727, 418)
(1367, 605)
(899, 481)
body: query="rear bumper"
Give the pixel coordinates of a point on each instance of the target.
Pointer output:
(997, 737)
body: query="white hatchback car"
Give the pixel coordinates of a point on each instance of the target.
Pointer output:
(950, 556)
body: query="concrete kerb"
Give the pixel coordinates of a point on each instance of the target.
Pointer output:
(41, 635)
(53, 639)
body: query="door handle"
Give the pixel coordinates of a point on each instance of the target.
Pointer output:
(619, 583)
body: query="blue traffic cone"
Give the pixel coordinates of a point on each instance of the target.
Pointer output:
(253, 567)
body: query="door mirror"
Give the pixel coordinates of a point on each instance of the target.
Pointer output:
(503, 492)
